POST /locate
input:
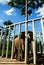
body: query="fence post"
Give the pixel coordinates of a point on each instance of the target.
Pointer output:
(12, 51)
(19, 41)
(26, 28)
(1, 38)
(3, 46)
(1, 32)
(42, 25)
(8, 42)
(34, 42)
(39, 42)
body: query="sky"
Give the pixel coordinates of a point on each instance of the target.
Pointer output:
(14, 15)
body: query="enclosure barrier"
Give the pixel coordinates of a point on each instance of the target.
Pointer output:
(3, 30)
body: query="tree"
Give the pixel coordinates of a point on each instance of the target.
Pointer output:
(21, 5)
(7, 22)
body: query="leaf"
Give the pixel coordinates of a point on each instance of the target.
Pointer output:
(7, 22)
(21, 3)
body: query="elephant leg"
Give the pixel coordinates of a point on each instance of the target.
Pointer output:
(23, 52)
(15, 53)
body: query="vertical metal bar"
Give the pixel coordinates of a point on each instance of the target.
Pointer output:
(8, 42)
(42, 34)
(26, 28)
(26, 10)
(34, 42)
(1, 38)
(39, 42)
(12, 51)
(4, 42)
(19, 41)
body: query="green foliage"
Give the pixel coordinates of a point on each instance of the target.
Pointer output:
(9, 51)
(11, 4)
(7, 29)
(7, 22)
(21, 5)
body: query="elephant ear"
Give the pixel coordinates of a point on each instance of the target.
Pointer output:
(22, 35)
(31, 35)
(15, 36)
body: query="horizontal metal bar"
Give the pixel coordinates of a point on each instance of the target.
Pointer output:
(15, 24)
(36, 19)
(16, 62)
(23, 22)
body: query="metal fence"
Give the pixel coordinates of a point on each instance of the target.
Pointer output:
(7, 39)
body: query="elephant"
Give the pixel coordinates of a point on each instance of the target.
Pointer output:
(21, 41)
